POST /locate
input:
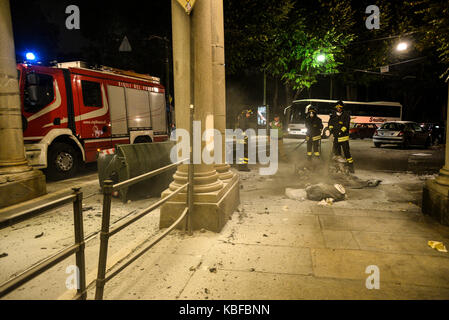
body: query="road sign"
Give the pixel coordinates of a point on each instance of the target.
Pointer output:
(125, 46)
(187, 5)
(384, 69)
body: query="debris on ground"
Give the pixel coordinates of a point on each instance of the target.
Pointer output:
(87, 208)
(437, 245)
(296, 194)
(4, 254)
(38, 235)
(213, 270)
(322, 191)
(203, 230)
(326, 202)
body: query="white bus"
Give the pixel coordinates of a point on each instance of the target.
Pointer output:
(361, 112)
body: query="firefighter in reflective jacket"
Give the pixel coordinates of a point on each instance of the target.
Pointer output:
(314, 127)
(245, 124)
(339, 127)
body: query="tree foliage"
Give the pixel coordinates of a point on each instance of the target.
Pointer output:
(284, 39)
(432, 22)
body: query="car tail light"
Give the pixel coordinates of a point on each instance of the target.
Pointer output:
(401, 133)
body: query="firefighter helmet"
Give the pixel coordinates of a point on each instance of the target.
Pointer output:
(312, 109)
(339, 104)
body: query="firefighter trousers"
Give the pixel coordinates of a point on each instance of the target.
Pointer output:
(313, 143)
(342, 143)
(242, 163)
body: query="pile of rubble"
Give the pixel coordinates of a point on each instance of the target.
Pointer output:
(333, 189)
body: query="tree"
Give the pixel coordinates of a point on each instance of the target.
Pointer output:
(434, 17)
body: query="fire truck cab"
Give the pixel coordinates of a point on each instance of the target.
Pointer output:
(71, 112)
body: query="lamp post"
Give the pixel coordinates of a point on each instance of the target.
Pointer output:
(167, 70)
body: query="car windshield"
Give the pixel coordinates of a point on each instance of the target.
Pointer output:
(393, 126)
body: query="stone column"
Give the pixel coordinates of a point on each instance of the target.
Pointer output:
(436, 191)
(18, 181)
(443, 177)
(214, 199)
(219, 84)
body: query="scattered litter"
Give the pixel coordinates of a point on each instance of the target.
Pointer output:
(437, 245)
(213, 270)
(98, 215)
(4, 254)
(285, 208)
(326, 202)
(39, 235)
(206, 291)
(265, 235)
(87, 208)
(202, 230)
(296, 194)
(322, 191)
(129, 201)
(252, 269)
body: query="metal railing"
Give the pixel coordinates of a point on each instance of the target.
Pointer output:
(106, 232)
(77, 248)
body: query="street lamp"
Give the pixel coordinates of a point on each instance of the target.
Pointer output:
(321, 58)
(402, 46)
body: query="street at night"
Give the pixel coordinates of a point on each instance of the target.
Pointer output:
(224, 155)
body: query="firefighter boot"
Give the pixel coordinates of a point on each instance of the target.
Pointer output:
(351, 167)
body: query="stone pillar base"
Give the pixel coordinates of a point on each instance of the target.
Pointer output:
(211, 210)
(19, 187)
(435, 201)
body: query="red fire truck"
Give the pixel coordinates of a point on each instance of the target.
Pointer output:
(71, 112)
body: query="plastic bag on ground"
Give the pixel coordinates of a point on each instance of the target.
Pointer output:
(320, 191)
(437, 245)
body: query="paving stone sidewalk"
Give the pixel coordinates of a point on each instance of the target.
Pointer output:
(278, 248)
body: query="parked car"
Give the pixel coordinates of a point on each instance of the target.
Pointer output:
(437, 132)
(362, 130)
(402, 133)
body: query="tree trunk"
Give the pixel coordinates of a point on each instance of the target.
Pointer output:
(297, 94)
(288, 95)
(276, 95)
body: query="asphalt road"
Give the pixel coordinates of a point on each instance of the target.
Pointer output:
(365, 155)
(386, 158)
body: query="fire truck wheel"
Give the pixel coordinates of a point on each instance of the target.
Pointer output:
(63, 161)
